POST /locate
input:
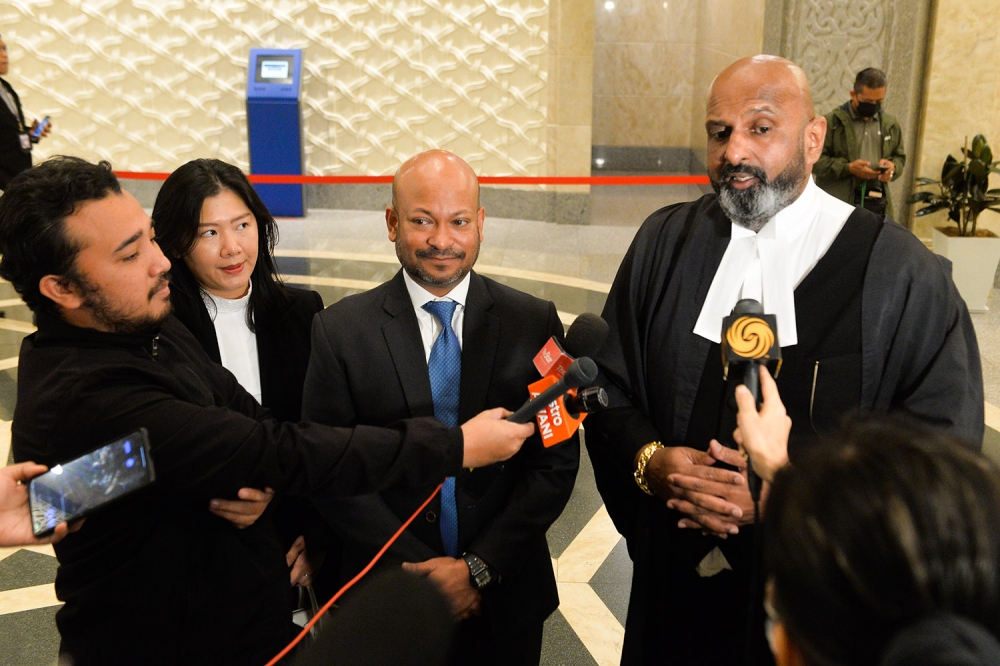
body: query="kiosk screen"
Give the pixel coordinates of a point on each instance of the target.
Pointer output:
(274, 69)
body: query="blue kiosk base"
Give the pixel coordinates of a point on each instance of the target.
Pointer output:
(274, 127)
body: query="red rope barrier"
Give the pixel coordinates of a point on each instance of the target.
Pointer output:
(485, 180)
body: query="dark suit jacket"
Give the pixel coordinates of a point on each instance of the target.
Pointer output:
(368, 367)
(282, 346)
(13, 160)
(282, 356)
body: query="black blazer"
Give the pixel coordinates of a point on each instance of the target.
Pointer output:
(282, 356)
(368, 367)
(282, 346)
(13, 160)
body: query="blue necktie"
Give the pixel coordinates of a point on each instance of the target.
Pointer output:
(445, 369)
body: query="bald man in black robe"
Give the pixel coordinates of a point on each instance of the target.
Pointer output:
(876, 326)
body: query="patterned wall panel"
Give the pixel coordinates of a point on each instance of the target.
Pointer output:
(836, 39)
(149, 84)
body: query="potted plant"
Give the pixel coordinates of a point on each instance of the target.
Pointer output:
(964, 192)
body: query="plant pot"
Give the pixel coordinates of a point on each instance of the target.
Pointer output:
(973, 265)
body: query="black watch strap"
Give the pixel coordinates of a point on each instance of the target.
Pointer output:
(481, 575)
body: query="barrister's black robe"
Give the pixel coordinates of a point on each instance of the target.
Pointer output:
(918, 355)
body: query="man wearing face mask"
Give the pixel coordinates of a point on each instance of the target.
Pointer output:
(863, 150)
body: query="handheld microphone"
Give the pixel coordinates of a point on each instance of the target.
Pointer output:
(580, 372)
(585, 337)
(589, 400)
(748, 337)
(561, 418)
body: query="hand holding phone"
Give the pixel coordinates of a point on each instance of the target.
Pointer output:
(36, 133)
(76, 488)
(15, 515)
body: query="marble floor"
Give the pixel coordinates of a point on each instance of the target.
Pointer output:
(343, 252)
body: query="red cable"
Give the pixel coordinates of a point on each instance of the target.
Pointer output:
(327, 605)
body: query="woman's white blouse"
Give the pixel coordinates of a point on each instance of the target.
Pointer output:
(237, 343)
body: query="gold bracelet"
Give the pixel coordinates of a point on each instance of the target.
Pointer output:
(640, 467)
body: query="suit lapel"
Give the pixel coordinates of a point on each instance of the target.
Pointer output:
(402, 336)
(480, 337)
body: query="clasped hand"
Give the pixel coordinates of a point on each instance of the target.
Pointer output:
(716, 501)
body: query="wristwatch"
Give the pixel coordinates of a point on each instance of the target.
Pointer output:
(480, 573)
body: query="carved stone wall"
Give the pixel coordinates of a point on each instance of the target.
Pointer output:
(832, 40)
(150, 84)
(843, 38)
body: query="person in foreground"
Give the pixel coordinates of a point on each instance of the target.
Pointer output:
(379, 356)
(867, 320)
(224, 286)
(908, 517)
(15, 516)
(156, 578)
(883, 548)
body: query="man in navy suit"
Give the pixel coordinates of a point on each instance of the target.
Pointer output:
(376, 358)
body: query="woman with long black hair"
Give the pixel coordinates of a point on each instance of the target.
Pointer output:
(220, 238)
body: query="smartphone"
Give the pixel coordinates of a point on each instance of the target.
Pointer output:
(76, 488)
(876, 167)
(37, 132)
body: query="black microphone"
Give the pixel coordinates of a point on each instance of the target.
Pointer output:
(748, 339)
(580, 372)
(586, 335)
(589, 400)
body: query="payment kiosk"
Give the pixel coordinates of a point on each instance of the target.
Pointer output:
(274, 126)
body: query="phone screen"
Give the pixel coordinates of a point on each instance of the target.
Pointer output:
(37, 133)
(73, 489)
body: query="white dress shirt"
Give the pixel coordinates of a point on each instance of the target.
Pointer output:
(429, 325)
(237, 343)
(768, 265)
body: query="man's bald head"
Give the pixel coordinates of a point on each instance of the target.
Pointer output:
(763, 137)
(770, 77)
(435, 165)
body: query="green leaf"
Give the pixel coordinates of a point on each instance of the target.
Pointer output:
(978, 143)
(930, 209)
(949, 164)
(979, 177)
(921, 196)
(920, 180)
